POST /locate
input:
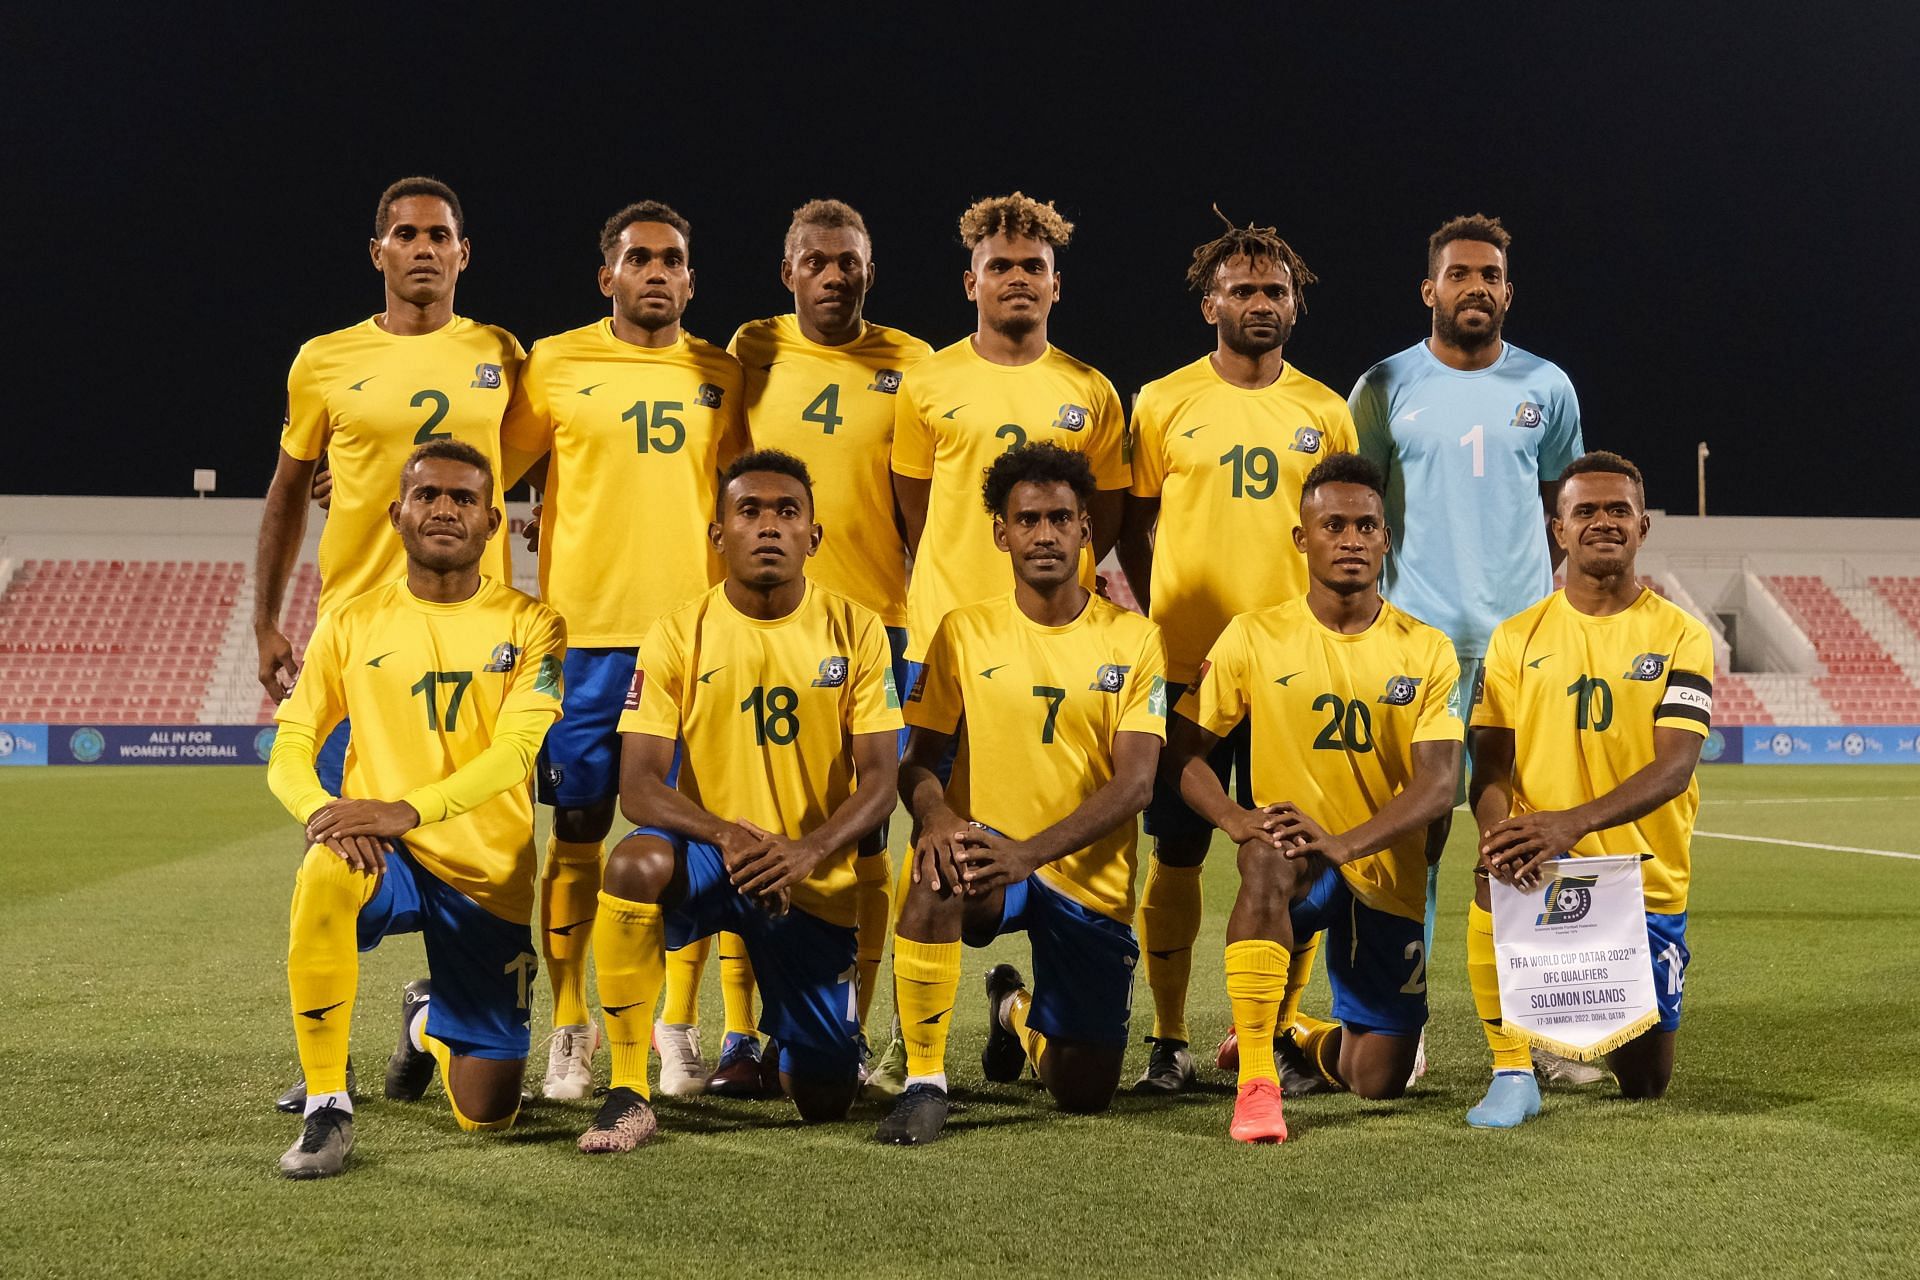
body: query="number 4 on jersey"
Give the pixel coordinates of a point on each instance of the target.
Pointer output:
(825, 409)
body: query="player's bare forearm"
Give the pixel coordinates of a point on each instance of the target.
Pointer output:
(1188, 746)
(920, 787)
(283, 525)
(910, 495)
(1104, 514)
(1676, 754)
(876, 768)
(1421, 803)
(1136, 756)
(1490, 790)
(648, 800)
(1137, 522)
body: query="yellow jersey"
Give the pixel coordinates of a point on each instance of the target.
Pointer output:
(958, 412)
(833, 408)
(765, 712)
(1227, 465)
(449, 705)
(1037, 708)
(1583, 696)
(637, 438)
(1335, 718)
(367, 398)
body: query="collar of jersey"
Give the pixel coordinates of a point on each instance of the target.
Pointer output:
(764, 624)
(1344, 637)
(1014, 604)
(1010, 369)
(434, 606)
(791, 330)
(1506, 353)
(626, 348)
(1605, 619)
(372, 326)
(1287, 374)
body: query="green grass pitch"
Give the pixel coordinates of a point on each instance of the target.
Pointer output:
(144, 1028)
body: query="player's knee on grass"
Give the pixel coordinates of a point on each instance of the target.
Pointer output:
(641, 868)
(583, 826)
(1376, 1067)
(822, 1085)
(1082, 1077)
(1644, 1065)
(485, 1092)
(1187, 849)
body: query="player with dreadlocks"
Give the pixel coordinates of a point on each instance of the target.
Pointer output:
(1221, 449)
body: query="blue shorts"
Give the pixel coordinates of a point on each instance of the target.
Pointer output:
(1168, 816)
(1667, 941)
(331, 761)
(482, 967)
(805, 967)
(1376, 962)
(903, 671)
(1082, 964)
(580, 759)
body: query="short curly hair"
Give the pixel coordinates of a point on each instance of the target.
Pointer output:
(1605, 462)
(1468, 226)
(1016, 215)
(1038, 462)
(827, 215)
(1344, 468)
(452, 451)
(417, 186)
(776, 461)
(642, 211)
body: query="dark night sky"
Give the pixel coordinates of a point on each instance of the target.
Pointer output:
(1713, 234)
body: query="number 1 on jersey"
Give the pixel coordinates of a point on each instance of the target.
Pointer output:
(1477, 440)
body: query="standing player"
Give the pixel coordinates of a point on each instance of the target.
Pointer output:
(1058, 701)
(451, 678)
(1472, 433)
(1355, 750)
(1586, 735)
(1001, 386)
(636, 418)
(782, 697)
(821, 384)
(365, 397)
(1220, 448)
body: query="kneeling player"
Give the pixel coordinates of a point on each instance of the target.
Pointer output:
(452, 680)
(1356, 745)
(782, 695)
(1060, 701)
(1586, 733)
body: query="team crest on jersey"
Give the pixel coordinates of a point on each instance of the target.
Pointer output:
(1528, 414)
(1073, 417)
(633, 689)
(709, 396)
(486, 376)
(504, 656)
(886, 382)
(1307, 440)
(1400, 690)
(1111, 678)
(547, 678)
(1648, 666)
(833, 673)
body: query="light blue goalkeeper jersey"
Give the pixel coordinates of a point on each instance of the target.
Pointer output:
(1464, 456)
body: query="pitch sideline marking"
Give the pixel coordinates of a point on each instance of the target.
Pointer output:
(1808, 844)
(1799, 799)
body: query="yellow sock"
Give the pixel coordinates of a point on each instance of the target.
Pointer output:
(1036, 1044)
(1256, 983)
(1169, 924)
(684, 968)
(736, 986)
(873, 920)
(1299, 973)
(443, 1056)
(629, 941)
(1510, 1052)
(1320, 1041)
(926, 981)
(569, 896)
(323, 964)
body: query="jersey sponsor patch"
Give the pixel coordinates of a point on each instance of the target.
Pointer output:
(1073, 417)
(633, 689)
(486, 376)
(1648, 666)
(919, 688)
(1480, 685)
(1527, 414)
(547, 679)
(1400, 690)
(885, 381)
(709, 395)
(505, 655)
(1307, 440)
(1157, 698)
(833, 673)
(1111, 678)
(1688, 697)
(893, 690)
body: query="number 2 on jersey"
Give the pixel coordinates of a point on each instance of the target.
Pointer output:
(438, 399)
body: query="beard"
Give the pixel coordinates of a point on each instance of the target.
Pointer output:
(1240, 344)
(652, 321)
(1446, 324)
(1017, 328)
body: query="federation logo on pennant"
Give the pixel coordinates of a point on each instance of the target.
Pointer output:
(833, 673)
(709, 396)
(1111, 678)
(1527, 414)
(1567, 900)
(505, 655)
(1400, 690)
(1307, 440)
(886, 382)
(486, 376)
(633, 689)
(1073, 417)
(1648, 666)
